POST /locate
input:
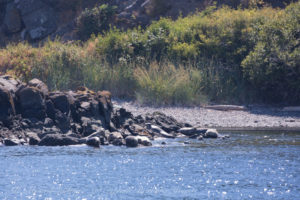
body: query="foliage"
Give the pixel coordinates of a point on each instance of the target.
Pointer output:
(273, 66)
(166, 84)
(95, 20)
(224, 55)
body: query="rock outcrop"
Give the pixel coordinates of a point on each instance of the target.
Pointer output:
(30, 114)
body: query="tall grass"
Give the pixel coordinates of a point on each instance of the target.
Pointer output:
(166, 84)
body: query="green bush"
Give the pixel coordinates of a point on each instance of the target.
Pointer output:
(95, 20)
(273, 66)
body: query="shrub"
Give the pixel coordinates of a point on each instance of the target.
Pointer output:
(273, 67)
(95, 20)
(17, 60)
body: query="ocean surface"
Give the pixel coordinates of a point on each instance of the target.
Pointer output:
(246, 166)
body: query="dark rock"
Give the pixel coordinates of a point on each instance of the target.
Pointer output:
(7, 107)
(187, 125)
(60, 101)
(5, 1)
(40, 85)
(91, 109)
(125, 133)
(76, 128)
(167, 123)
(47, 131)
(62, 121)
(29, 6)
(94, 142)
(48, 122)
(105, 106)
(33, 138)
(50, 109)
(139, 119)
(163, 143)
(134, 129)
(39, 18)
(186, 142)
(90, 125)
(120, 117)
(11, 142)
(32, 103)
(58, 140)
(131, 141)
(119, 142)
(10, 83)
(114, 136)
(12, 20)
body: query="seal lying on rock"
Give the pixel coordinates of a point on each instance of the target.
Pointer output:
(30, 114)
(158, 131)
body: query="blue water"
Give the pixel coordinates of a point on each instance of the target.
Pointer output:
(246, 166)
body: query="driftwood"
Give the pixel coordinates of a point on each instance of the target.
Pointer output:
(226, 107)
(291, 109)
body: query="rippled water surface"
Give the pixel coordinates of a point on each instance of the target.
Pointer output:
(246, 166)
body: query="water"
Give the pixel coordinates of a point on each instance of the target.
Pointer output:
(246, 166)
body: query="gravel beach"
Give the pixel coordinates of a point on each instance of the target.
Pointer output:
(255, 118)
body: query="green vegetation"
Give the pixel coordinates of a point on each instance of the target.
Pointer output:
(224, 55)
(95, 20)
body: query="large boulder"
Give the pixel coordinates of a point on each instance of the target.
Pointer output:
(39, 18)
(7, 107)
(167, 123)
(40, 85)
(60, 101)
(58, 140)
(32, 103)
(12, 19)
(62, 121)
(33, 138)
(90, 126)
(90, 108)
(105, 106)
(11, 84)
(120, 116)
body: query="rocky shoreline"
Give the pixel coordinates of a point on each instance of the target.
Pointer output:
(235, 118)
(31, 115)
